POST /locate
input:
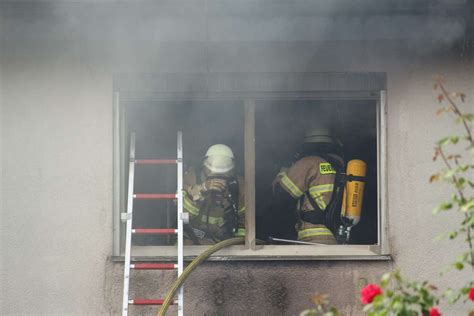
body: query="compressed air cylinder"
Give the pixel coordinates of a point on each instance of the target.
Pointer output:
(354, 192)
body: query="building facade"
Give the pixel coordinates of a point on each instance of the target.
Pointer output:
(61, 63)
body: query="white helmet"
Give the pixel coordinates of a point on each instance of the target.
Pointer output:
(318, 135)
(219, 159)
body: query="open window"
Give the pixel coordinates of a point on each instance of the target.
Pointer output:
(264, 130)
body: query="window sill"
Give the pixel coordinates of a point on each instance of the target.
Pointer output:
(268, 252)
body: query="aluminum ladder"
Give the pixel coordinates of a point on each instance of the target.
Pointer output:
(128, 217)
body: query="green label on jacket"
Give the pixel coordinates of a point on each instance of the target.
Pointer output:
(326, 168)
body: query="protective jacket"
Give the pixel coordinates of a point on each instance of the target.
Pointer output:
(310, 181)
(213, 219)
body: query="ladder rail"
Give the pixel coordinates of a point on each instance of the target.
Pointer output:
(180, 221)
(128, 238)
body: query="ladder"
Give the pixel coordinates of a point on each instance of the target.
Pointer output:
(128, 217)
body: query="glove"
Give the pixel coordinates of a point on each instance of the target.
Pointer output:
(214, 184)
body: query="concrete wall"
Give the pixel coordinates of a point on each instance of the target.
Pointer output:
(57, 63)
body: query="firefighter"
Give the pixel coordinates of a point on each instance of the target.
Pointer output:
(214, 198)
(305, 189)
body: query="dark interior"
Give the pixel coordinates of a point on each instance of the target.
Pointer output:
(280, 129)
(279, 132)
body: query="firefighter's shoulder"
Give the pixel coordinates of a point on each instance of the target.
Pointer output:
(307, 162)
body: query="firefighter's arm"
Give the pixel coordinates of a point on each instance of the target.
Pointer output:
(189, 205)
(197, 192)
(194, 192)
(294, 179)
(288, 186)
(191, 193)
(301, 179)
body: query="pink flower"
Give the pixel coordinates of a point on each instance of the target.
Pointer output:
(434, 312)
(471, 294)
(369, 292)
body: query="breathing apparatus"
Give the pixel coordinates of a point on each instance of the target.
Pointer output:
(351, 208)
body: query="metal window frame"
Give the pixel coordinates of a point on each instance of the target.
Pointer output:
(250, 251)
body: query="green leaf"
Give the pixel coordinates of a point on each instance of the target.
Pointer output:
(333, 312)
(467, 206)
(443, 207)
(453, 234)
(465, 290)
(459, 265)
(468, 117)
(461, 182)
(398, 307)
(449, 174)
(463, 168)
(377, 299)
(448, 140)
(385, 280)
(444, 141)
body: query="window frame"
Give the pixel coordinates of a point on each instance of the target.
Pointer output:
(252, 251)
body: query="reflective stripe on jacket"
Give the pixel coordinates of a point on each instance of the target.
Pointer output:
(315, 176)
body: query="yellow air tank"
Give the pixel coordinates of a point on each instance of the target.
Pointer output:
(354, 192)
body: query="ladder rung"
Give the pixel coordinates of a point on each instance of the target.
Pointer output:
(156, 161)
(155, 196)
(148, 302)
(153, 266)
(158, 231)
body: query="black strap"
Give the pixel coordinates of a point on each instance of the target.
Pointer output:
(316, 216)
(350, 178)
(232, 217)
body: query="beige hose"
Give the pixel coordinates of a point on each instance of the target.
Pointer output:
(177, 284)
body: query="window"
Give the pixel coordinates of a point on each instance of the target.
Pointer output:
(264, 129)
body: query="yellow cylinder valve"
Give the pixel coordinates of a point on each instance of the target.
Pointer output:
(353, 192)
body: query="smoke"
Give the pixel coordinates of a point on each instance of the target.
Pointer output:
(248, 35)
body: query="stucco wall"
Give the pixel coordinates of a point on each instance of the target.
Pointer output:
(56, 220)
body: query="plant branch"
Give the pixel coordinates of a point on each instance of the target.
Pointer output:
(457, 111)
(461, 195)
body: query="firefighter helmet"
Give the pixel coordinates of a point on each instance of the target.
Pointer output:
(219, 158)
(318, 135)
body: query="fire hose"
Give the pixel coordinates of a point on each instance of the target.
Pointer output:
(203, 256)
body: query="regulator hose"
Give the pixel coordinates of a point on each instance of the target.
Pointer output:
(203, 256)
